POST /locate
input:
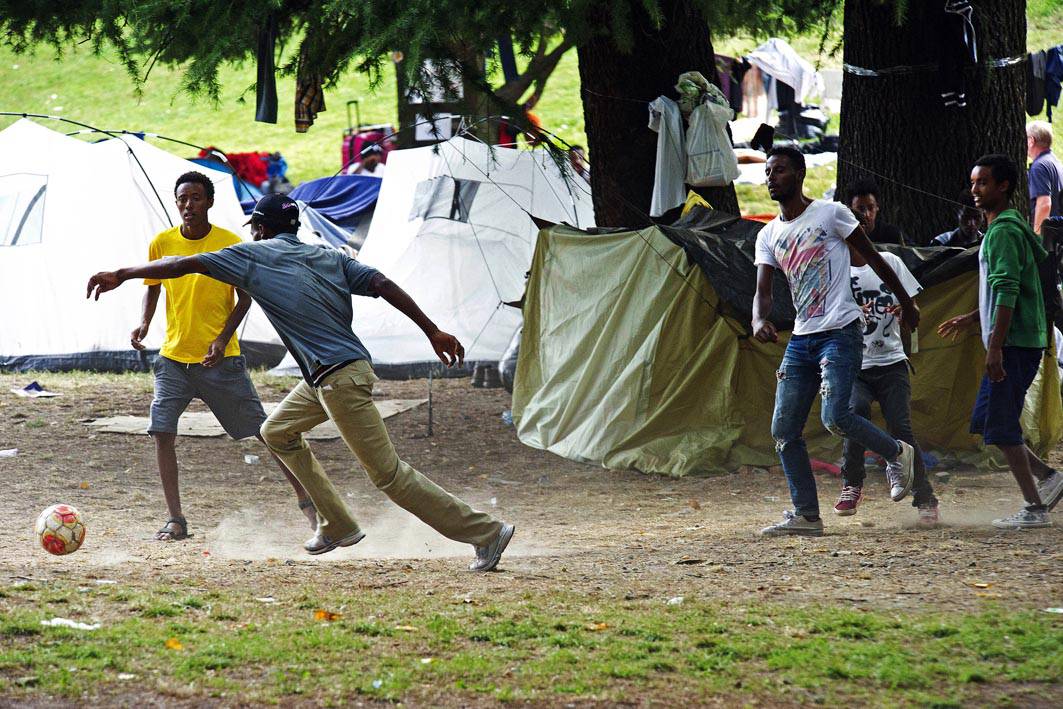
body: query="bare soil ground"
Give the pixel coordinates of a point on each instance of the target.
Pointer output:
(612, 534)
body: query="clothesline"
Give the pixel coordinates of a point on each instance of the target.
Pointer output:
(916, 68)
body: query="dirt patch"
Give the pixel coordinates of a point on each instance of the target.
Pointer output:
(615, 534)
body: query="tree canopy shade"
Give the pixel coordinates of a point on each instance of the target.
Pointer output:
(329, 37)
(334, 35)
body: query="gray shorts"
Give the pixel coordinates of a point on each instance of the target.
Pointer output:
(226, 388)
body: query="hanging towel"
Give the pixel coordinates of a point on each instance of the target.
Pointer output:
(266, 84)
(670, 169)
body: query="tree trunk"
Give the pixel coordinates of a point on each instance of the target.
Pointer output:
(616, 88)
(899, 127)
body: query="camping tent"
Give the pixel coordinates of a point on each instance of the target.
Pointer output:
(636, 353)
(452, 228)
(70, 208)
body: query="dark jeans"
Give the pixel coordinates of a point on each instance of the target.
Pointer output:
(891, 387)
(826, 363)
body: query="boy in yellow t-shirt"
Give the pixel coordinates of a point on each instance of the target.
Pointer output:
(201, 356)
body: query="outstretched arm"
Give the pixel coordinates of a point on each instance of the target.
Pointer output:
(909, 311)
(170, 267)
(447, 347)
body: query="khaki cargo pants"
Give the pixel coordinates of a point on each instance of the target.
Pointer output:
(346, 398)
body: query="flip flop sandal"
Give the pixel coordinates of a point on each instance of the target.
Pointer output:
(174, 537)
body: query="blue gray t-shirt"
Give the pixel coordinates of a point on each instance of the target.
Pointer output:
(305, 292)
(1046, 179)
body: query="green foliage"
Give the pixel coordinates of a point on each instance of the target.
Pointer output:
(326, 37)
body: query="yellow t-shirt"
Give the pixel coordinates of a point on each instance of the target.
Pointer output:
(197, 306)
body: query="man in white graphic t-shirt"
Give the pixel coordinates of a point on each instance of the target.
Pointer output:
(883, 378)
(809, 242)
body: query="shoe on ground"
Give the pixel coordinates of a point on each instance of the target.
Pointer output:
(794, 525)
(848, 500)
(1024, 519)
(487, 557)
(928, 516)
(1051, 490)
(321, 544)
(900, 472)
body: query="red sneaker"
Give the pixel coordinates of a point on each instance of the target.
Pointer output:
(848, 500)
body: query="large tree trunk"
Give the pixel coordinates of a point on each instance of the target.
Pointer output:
(617, 86)
(898, 125)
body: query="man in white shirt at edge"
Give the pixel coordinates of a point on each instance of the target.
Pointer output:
(883, 378)
(807, 242)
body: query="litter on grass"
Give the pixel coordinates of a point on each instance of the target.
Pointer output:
(67, 623)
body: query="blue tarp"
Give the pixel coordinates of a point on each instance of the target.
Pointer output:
(320, 225)
(341, 198)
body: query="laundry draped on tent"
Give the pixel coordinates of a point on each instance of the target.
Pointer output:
(636, 352)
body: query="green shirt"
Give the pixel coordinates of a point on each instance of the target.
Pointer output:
(1007, 263)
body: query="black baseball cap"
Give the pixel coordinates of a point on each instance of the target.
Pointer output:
(277, 210)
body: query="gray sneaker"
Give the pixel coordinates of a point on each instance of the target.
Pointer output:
(1024, 519)
(487, 557)
(900, 473)
(321, 544)
(794, 524)
(1051, 489)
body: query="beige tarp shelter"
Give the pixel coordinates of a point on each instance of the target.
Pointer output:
(631, 358)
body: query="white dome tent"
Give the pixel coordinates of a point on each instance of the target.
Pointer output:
(452, 228)
(68, 209)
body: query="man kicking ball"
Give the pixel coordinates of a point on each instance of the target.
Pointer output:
(808, 242)
(306, 293)
(200, 357)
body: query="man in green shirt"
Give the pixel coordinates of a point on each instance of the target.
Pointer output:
(1011, 314)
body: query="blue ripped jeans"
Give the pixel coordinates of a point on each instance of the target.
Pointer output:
(827, 363)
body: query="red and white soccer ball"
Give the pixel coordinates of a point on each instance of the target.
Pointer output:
(60, 529)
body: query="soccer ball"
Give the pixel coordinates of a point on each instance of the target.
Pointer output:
(60, 529)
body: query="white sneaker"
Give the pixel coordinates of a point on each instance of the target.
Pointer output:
(1024, 519)
(1051, 489)
(900, 472)
(794, 524)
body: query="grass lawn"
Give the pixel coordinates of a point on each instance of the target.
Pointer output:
(387, 644)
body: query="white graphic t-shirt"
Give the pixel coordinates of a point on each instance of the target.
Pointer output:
(882, 329)
(812, 254)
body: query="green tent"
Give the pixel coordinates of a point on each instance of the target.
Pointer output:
(636, 354)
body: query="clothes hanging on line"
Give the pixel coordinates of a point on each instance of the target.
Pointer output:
(266, 82)
(1035, 82)
(309, 96)
(958, 49)
(670, 168)
(1053, 77)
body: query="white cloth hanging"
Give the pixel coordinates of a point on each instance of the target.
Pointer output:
(779, 60)
(670, 169)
